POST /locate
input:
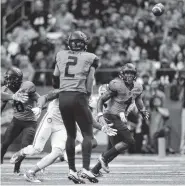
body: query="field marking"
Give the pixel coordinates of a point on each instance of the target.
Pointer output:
(111, 165)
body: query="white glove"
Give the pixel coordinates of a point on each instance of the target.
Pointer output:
(37, 112)
(20, 96)
(108, 130)
(122, 116)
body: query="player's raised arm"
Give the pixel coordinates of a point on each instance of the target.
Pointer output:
(141, 107)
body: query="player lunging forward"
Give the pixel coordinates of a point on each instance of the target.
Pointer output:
(24, 119)
(52, 127)
(122, 93)
(74, 75)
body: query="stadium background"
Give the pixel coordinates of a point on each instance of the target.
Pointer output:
(119, 31)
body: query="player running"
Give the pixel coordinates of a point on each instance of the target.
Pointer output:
(124, 92)
(74, 75)
(52, 127)
(24, 119)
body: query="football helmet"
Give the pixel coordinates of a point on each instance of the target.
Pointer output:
(128, 73)
(13, 78)
(77, 41)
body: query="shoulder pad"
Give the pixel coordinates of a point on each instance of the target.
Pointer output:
(28, 87)
(114, 84)
(138, 86)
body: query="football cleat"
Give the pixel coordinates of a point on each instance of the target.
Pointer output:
(99, 174)
(73, 176)
(31, 177)
(104, 164)
(18, 172)
(16, 157)
(88, 175)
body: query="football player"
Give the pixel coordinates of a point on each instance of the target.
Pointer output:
(24, 119)
(74, 75)
(52, 127)
(123, 92)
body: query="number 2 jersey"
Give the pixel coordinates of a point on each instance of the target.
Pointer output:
(74, 68)
(122, 96)
(22, 111)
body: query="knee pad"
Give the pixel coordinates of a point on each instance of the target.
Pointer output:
(94, 143)
(31, 150)
(121, 146)
(57, 151)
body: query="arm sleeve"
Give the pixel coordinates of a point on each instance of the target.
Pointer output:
(52, 95)
(95, 62)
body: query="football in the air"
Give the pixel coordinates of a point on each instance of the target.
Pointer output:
(158, 9)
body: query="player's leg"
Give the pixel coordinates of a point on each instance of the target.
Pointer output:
(42, 135)
(120, 142)
(58, 142)
(13, 130)
(66, 102)
(85, 122)
(27, 139)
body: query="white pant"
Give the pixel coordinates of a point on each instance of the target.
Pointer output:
(50, 127)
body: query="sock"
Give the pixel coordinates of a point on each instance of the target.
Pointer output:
(96, 168)
(18, 164)
(86, 151)
(108, 154)
(47, 160)
(35, 169)
(113, 156)
(114, 151)
(70, 150)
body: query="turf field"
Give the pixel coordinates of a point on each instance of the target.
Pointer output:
(125, 170)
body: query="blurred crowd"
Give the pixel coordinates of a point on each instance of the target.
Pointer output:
(119, 31)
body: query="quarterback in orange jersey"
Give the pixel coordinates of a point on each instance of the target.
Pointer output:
(74, 75)
(123, 93)
(24, 119)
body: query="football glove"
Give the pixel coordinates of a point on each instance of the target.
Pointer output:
(20, 96)
(145, 114)
(37, 112)
(108, 130)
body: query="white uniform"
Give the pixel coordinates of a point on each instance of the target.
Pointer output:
(51, 126)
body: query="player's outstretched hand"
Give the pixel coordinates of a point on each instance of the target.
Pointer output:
(37, 112)
(108, 130)
(20, 96)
